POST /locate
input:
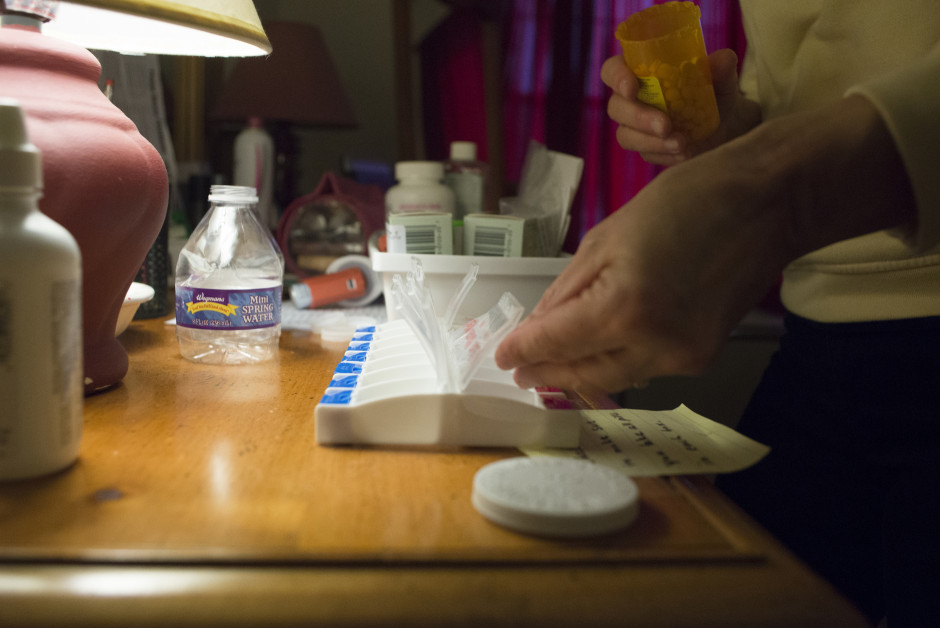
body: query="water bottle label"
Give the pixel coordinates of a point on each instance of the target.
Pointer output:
(205, 308)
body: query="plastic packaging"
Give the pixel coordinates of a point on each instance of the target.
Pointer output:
(419, 211)
(663, 45)
(41, 384)
(253, 161)
(455, 352)
(546, 192)
(229, 284)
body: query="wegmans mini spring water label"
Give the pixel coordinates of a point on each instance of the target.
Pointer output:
(206, 308)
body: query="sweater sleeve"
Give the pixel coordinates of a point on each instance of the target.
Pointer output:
(909, 102)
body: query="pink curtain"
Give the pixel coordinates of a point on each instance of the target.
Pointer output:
(552, 90)
(554, 93)
(452, 97)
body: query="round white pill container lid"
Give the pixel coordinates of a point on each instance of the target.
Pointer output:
(336, 329)
(557, 497)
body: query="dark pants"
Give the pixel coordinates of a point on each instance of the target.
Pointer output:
(851, 485)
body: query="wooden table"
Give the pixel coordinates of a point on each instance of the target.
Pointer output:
(202, 498)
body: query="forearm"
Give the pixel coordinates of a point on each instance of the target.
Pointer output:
(663, 281)
(831, 174)
(741, 118)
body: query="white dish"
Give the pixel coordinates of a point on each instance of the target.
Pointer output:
(138, 293)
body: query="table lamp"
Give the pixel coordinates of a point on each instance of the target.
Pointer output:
(103, 181)
(297, 85)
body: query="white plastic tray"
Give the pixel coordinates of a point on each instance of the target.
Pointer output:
(525, 277)
(384, 392)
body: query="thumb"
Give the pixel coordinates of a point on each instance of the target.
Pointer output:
(724, 68)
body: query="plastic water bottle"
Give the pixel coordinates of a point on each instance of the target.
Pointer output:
(229, 283)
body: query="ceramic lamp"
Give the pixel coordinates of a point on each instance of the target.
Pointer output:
(102, 180)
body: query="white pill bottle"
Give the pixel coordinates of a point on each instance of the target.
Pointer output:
(41, 390)
(419, 211)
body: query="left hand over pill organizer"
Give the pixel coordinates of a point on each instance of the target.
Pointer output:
(421, 381)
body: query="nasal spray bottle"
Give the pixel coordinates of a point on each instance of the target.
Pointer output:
(40, 317)
(468, 178)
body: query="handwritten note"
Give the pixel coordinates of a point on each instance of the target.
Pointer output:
(647, 442)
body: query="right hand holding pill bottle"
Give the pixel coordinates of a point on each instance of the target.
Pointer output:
(663, 45)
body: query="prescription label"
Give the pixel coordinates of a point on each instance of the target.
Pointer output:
(651, 92)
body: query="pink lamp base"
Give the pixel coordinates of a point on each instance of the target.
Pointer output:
(103, 181)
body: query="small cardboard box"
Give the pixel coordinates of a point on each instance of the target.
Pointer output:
(525, 277)
(493, 235)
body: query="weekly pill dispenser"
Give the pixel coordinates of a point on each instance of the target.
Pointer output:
(394, 386)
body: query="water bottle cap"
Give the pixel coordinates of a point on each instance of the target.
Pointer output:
(233, 194)
(301, 295)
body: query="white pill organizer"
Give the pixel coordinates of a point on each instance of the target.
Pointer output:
(386, 391)
(421, 379)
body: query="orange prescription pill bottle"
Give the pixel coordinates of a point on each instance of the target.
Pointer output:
(329, 288)
(664, 47)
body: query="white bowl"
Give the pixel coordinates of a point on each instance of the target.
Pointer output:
(138, 293)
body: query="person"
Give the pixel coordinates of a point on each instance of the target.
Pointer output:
(824, 171)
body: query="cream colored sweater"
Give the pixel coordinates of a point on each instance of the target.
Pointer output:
(805, 53)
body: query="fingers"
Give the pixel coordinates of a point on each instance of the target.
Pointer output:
(648, 131)
(661, 151)
(584, 296)
(604, 373)
(643, 128)
(724, 68)
(577, 275)
(618, 77)
(564, 376)
(583, 325)
(551, 335)
(632, 113)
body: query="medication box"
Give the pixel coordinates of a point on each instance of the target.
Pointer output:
(385, 392)
(525, 277)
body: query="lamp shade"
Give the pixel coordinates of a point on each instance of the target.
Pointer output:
(205, 28)
(297, 83)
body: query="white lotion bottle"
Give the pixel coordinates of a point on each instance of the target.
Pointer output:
(254, 167)
(40, 317)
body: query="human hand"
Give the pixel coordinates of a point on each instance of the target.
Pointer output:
(655, 289)
(647, 130)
